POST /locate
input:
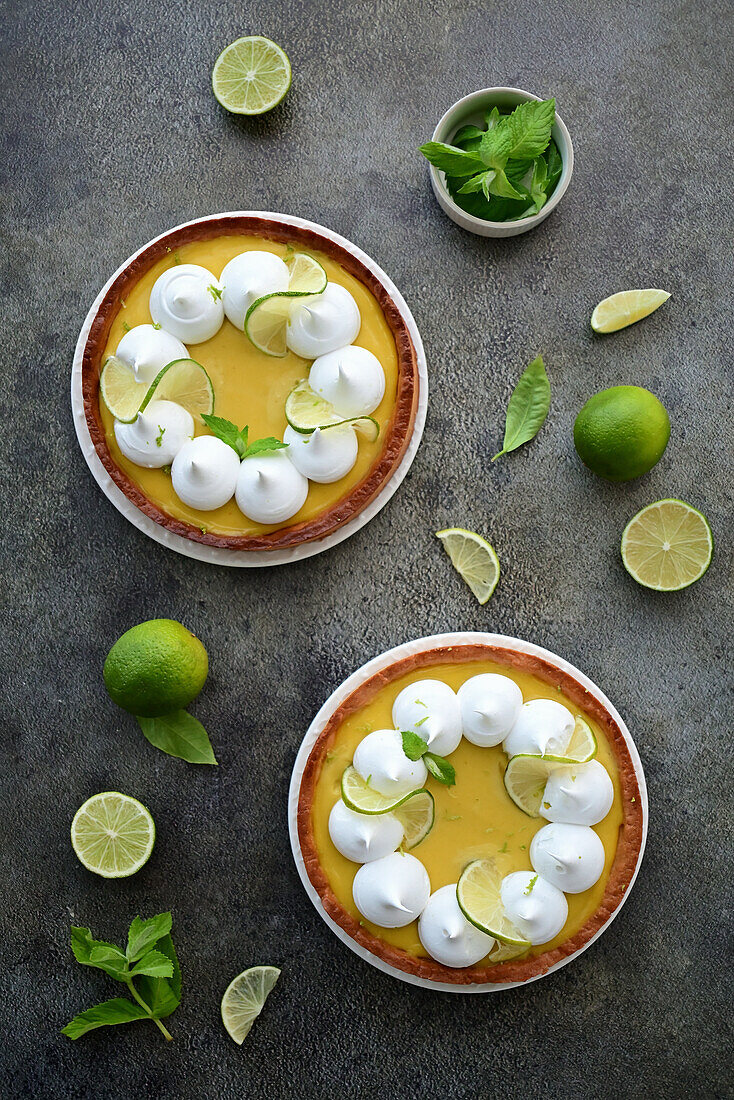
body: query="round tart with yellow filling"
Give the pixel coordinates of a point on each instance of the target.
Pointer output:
(468, 811)
(251, 383)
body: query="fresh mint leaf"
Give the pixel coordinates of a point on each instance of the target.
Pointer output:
(467, 137)
(517, 170)
(261, 446)
(476, 183)
(555, 166)
(492, 118)
(539, 183)
(527, 408)
(117, 1011)
(110, 959)
(179, 734)
(413, 745)
(162, 995)
(228, 432)
(144, 934)
(496, 145)
(529, 127)
(440, 768)
(500, 186)
(154, 964)
(451, 161)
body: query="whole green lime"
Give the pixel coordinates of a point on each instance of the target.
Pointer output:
(621, 432)
(155, 667)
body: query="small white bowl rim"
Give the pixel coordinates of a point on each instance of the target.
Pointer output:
(566, 171)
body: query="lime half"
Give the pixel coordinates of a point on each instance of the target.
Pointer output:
(667, 546)
(244, 998)
(362, 798)
(183, 381)
(266, 321)
(622, 309)
(306, 410)
(474, 560)
(416, 815)
(113, 834)
(478, 895)
(251, 75)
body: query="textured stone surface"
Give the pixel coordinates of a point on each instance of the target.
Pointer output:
(110, 135)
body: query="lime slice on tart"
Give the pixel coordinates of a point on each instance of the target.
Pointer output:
(582, 746)
(526, 777)
(244, 998)
(624, 308)
(667, 546)
(504, 952)
(473, 558)
(184, 381)
(112, 834)
(363, 799)
(478, 895)
(307, 276)
(251, 75)
(416, 814)
(306, 410)
(266, 321)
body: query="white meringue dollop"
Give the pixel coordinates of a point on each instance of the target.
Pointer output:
(570, 857)
(351, 378)
(431, 709)
(543, 728)
(204, 473)
(447, 935)
(490, 706)
(156, 435)
(363, 837)
(147, 350)
(392, 891)
(323, 322)
(269, 488)
(379, 759)
(248, 277)
(186, 301)
(536, 907)
(325, 455)
(580, 794)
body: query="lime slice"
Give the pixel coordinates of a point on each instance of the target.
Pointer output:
(416, 815)
(582, 746)
(266, 321)
(244, 999)
(183, 381)
(474, 560)
(113, 834)
(504, 952)
(306, 410)
(622, 309)
(667, 545)
(526, 777)
(251, 75)
(478, 895)
(362, 798)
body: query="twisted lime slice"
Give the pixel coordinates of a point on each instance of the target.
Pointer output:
(359, 796)
(417, 815)
(266, 321)
(183, 381)
(306, 410)
(478, 895)
(244, 999)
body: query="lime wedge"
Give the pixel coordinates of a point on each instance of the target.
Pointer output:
(474, 560)
(582, 746)
(362, 798)
(251, 75)
(478, 895)
(504, 952)
(183, 381)
(306, 410)
(112, 834)
(667, 546)
(416, 815)
(244, 999)
(526, 777)
(622, 309)
(266, 321)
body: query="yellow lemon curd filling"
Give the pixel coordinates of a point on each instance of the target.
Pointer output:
(475, 818)
(251, 387)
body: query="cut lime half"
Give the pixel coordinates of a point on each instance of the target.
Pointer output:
(667, 546)
(473, 559)
(417, 815)
(266, 321)
(112, 834)
(306, 410)
(624, 308)
(244, 998)
(478, 895)
(363, 799)
(251, 75)
(183, 381)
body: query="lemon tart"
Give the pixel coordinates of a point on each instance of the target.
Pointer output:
(468, 811)
(251, 383)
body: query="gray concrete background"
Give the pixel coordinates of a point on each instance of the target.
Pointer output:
(111, 135)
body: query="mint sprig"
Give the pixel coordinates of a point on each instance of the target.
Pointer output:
(237, 438)
(416, 748)
(148, 967)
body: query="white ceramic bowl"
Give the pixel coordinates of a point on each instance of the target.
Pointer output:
(470, 110)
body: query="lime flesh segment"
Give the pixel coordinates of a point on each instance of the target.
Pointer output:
(526, 777)
(478, 895)
(244, 998)
(624, 308)
(582, 746)
(266, 321)
(363, 799)
(667, 546)
(417, 815)
(122, 395)
(251, 76)
(306, 410)
(474, 560)
(307, 276)
(112, 834)
(184, 381)
(504, 952)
